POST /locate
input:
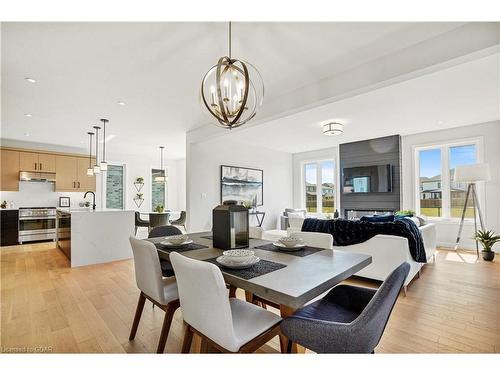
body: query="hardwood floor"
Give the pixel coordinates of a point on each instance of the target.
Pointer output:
(47, 306)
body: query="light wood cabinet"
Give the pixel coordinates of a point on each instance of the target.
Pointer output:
(66, 173)
(28, 162)
(71, 174)
(37, 162)
(47, 163)
(10, 170)
(85, 182)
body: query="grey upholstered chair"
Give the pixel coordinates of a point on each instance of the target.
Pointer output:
(163, 231)
(348, 319)
(181, 221)
(140, 222)
(157, 219)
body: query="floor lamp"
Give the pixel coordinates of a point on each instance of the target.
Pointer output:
(472, 174)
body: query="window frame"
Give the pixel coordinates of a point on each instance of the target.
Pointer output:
(165, 195)
(104, 200)
(319, 200)
(445, 146)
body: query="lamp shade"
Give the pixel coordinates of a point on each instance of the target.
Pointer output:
(472, 173)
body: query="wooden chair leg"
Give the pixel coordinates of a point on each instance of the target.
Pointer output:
(232, 291)
(167, 321)
(188, 339)
(289, 346)
(137, 317)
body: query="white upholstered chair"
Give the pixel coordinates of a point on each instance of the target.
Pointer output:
(315, 239)
(161, 291)
(227, 324)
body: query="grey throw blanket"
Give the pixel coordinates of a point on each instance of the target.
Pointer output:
(351, 232)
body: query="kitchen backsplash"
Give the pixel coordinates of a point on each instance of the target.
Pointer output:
(40, 194)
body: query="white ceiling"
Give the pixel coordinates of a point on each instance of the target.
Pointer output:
(83, 69)
(461, 95)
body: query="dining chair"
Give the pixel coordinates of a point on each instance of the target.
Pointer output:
(226, 324)
(157, 219)
(161, 291)
(163, 231)
(140, 222)
(349, 319)
(181, 221)
(315, 239)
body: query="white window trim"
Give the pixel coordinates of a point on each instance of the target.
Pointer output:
(319, 201)
(445, 173)
(103, 185)
(151, 186)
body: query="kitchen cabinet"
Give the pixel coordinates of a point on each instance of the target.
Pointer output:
(37, 162)
(71, 174)
(9, 227)
(10, 170)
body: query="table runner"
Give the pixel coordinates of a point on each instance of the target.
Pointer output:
(261, 268)
(305, 251)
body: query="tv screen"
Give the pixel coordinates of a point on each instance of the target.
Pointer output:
(368, 179)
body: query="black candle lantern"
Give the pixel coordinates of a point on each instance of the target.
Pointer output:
(230, 226)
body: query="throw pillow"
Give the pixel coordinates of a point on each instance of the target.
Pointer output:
(299, 215)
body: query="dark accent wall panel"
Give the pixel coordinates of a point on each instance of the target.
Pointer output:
(385, 150)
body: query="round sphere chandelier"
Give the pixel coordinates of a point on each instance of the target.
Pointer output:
(232, 90)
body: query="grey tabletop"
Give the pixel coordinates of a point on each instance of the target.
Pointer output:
(303, 278)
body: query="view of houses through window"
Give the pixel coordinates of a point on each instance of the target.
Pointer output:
(320, 173)
(114, 186)
(439, 195)
(158, 189)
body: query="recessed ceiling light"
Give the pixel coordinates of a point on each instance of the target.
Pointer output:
(121, 103)
(28, 115)
(26, 134)
(30, 80)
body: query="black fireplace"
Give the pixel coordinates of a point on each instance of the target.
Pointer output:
(230, 226)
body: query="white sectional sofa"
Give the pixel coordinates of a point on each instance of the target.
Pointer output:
(387, 252)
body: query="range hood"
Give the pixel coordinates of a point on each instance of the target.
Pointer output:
(37, 176)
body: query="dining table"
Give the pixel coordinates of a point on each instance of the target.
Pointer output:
(289, 280)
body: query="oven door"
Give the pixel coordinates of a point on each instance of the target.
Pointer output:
(29, 224)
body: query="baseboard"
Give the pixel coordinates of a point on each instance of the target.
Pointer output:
(471, 247)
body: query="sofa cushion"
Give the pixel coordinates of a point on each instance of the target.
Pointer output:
(378, 218)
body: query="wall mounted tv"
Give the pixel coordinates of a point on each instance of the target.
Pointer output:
(367, 179)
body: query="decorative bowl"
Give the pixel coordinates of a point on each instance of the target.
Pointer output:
(177, 239)
(290, 241)
(239, 256)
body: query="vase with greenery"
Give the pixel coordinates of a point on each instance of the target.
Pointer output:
(159, 208)
(487, 239)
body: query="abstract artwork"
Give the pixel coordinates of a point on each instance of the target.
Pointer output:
(244, 185)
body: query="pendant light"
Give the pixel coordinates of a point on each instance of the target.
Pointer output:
(162, 177)
(232, 90)
(90, 170)
(97, 169)
(104, 164)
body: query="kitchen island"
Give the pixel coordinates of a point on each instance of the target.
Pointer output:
(95, 236)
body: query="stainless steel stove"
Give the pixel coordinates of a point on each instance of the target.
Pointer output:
(37, 223)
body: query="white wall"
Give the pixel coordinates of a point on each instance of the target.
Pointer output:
(447, 229)
(203, 179)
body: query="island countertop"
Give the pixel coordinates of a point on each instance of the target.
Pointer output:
(90, 211)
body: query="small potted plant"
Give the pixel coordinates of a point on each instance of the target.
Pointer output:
(159, 208)
(139, 183)
(487, 238)
(408, 213)
(139, 180)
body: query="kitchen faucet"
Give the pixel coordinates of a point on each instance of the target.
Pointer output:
(93, 198)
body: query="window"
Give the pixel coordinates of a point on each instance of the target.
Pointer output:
(438, 194)
(460, 155)
(319, 200)
(114, 187)
(158, 190)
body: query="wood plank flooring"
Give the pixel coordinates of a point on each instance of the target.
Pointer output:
(47, 306)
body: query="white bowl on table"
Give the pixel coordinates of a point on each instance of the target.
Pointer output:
(239, 256)
(177, 239)
(290, 241)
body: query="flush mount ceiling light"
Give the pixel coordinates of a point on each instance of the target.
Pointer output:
(162, 177)
(30, 80)
(121, 103)
(232, 90)
(333, 128)
(28, 115)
